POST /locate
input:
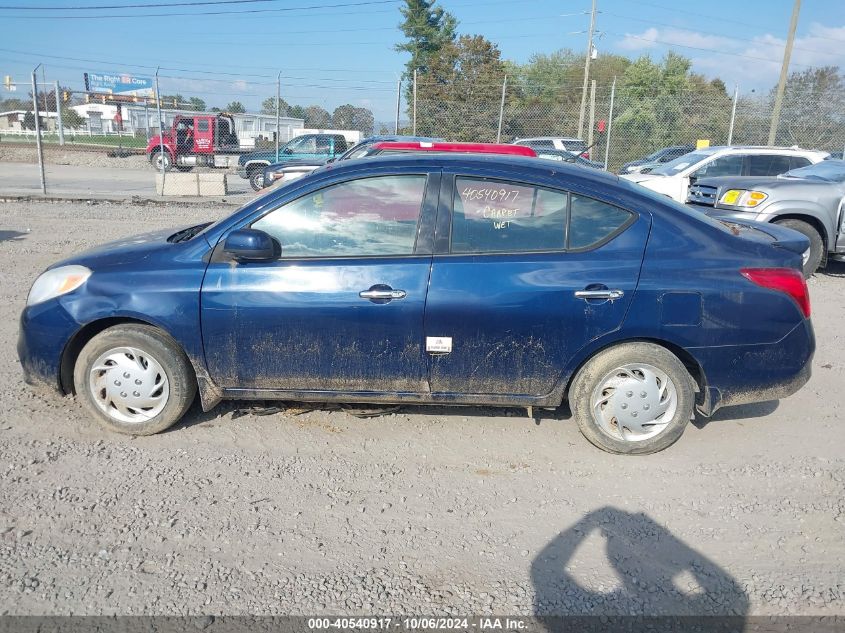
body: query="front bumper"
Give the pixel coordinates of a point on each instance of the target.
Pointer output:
(45, 331)
(756, 373)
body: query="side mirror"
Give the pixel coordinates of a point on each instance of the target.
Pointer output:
(287, 150)
(251, 245)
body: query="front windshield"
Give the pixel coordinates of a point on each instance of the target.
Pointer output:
(681, 163)
(825, 171)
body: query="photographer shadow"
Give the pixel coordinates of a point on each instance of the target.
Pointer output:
(659, 581)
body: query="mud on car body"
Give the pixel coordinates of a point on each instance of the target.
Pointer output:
(434, 279)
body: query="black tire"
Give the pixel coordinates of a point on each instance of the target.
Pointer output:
(256, 179)
(181, 381)
(816, 243)
(591, 376)
(168, 163)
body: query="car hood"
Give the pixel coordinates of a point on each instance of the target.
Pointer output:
(641, 177)
(770, 183)
(301, 162)
(128, 250)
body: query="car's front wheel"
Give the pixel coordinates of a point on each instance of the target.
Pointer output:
(812, 258)
(134, 379)
(634, 399)
(256, 179)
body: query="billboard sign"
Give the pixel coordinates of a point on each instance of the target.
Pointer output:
(119, 84)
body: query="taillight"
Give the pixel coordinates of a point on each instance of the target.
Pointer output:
(585, 155)
(787, 280)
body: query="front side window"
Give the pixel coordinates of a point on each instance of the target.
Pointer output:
(304, 145)
(491, 216)
(365, 217)
(724, 166)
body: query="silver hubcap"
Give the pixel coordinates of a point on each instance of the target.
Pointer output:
(805, 257)
(162, 161)
(634, 402)
(129, 385)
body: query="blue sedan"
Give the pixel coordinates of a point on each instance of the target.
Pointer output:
(434, 279)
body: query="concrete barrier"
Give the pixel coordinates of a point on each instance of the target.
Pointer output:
(176, 184)
(213, 184)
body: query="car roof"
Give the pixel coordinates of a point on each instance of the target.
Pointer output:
(516, 164)
(474, 148)
(550, 138)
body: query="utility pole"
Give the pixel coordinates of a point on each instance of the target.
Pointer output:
(784, 70)
(38, 129)
(398, 102)
(502, 109)
(414, 128)
(278, 107)
(587, 71)
(609, 124)
(59, 125)
(592, 124)
(733, 115)
(160, 133)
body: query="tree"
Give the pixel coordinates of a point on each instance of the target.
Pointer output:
(268, 106)
(317, 118)
(14, 104)
(459, 96)
(174, 101)
(71, 118)
(427, 29)
(812, 112)
(297, 112)
(197, 103)
(348, 117)
(235, 107)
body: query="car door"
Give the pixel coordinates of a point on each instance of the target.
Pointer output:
(203, 141)
(342, 309)
(524, 278)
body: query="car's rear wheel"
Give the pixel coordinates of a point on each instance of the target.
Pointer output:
(134, 379)
(812, 258)
(256, 179)
(634, 399)
(158, 157)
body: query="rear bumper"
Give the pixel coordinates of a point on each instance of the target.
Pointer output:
(756, 373)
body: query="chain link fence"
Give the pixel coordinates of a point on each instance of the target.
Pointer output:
(98, 146)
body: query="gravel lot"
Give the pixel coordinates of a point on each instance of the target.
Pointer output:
(427, 510)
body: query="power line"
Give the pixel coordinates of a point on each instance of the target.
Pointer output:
(200, 13)
(132, 6)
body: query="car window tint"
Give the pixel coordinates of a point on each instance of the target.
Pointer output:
(767, 164)
(723, 166)
(492, 216)
(306, 145)
(592, 221)
(575, 146)
(202, 125)
(365, 217)
(798, 161)
(542, 144)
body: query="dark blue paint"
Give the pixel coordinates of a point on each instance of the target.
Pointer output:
(298, 329)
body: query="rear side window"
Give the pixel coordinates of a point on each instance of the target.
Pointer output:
(368, 217)
(730, 165)
(592, 221)
(494, 217)
(768, 164)
(798, 161)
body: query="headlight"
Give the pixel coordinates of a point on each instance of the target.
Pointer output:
(742, 198)
(57, 282)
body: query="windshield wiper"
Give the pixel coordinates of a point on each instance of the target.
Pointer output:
(186, 234)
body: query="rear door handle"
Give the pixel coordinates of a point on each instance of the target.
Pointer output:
(608, 293)
(382, 294)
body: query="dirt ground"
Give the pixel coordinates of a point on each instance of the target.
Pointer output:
(426, 510)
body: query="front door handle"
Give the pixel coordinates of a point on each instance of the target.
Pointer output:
(382, 294)
(606, 293)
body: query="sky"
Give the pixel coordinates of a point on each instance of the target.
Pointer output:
(331, 52)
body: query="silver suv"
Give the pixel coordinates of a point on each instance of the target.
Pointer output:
(575, 146)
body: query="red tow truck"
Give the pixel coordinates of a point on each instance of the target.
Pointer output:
(207, 140)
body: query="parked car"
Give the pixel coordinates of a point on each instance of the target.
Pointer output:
(434, 278)
(572, 145)
(810, 200)
(655, 159)
(674, 178)
(291, 170)
(308, 147)
(563, 155)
